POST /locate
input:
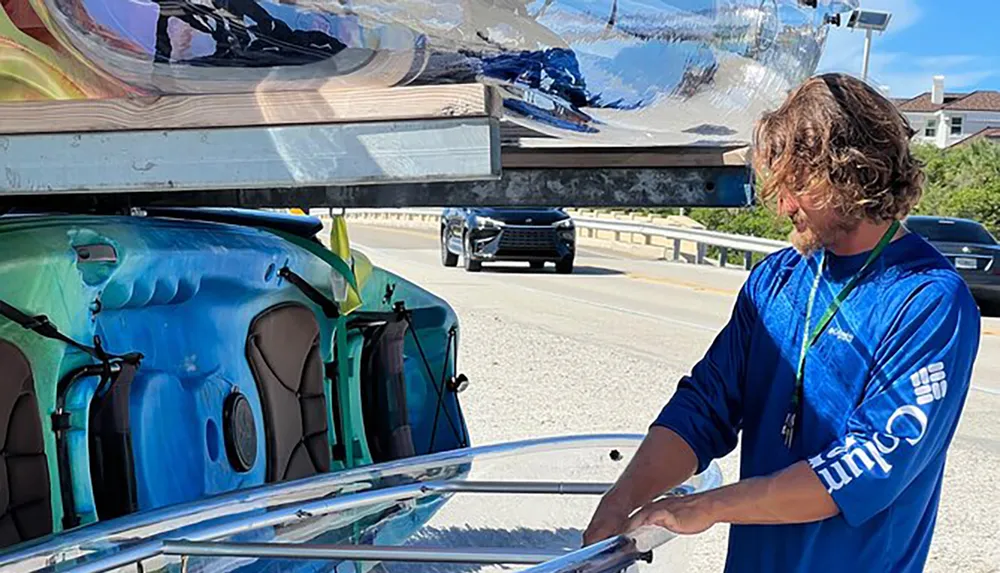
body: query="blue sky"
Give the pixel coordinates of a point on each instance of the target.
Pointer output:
(959, 39)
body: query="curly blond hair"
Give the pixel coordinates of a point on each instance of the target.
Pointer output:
(844, 144)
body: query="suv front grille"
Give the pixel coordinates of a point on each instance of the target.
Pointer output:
(527, 239)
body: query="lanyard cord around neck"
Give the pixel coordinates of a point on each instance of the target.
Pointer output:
(792, 418)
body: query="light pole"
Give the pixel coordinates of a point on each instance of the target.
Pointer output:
(870, 21)
(868, 52)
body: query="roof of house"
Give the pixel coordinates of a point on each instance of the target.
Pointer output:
(982, 100)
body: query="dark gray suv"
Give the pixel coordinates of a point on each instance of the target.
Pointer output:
(536, 236)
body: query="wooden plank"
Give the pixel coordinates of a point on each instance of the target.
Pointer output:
(569, 157)
(250, 109)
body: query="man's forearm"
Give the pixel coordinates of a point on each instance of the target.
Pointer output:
(793, 495)
(663, 461)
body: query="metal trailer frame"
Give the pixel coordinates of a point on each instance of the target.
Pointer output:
(452, 155)
(198, 528)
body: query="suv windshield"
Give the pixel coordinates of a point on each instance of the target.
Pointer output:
(949, 231)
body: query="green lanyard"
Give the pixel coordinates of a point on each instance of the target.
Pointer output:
(808, 340)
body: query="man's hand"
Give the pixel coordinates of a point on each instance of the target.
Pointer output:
(663, 461)
(684, 515)
(792, 495)
(609, 520)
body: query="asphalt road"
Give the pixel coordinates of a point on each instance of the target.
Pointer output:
(601, 351)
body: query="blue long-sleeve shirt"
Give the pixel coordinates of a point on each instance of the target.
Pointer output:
(884, 386)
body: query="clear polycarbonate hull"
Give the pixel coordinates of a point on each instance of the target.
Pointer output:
(605, 71)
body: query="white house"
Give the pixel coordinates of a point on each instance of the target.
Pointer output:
(946, 119)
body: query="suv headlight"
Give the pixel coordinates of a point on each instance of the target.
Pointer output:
(487, 223)
(564, 224)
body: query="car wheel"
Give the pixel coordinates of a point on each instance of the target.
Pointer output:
(470, 265)
(565, 266)
(448, 258)
(537, 264)
(989, 308)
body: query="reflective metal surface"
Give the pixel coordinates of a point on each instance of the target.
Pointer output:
(604, 71)
(526, 487)
(234, 505)
(403, 554)
(474, 498)
(600, 551)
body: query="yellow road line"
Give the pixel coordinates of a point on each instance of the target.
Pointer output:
(426, 233)
(684, 284)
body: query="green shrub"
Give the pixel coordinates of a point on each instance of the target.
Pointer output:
(962, 181)
(754, 221)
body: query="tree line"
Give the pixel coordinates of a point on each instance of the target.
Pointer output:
(961, 181)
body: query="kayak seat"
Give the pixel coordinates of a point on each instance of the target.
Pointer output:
(283, 350)
(384, 391)
(25, 497)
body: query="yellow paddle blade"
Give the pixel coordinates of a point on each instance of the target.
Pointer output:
(340, 245)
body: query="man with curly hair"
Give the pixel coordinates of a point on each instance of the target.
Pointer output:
(845, 364)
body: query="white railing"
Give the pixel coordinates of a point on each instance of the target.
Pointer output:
(700, 237)
(617, 231)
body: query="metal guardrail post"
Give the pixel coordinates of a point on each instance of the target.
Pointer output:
(723, 256)
(747, 260)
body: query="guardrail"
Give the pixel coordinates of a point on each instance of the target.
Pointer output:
(670, 237)
(701, 238)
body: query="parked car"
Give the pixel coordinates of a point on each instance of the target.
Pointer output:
(536, 236)
(973, 251)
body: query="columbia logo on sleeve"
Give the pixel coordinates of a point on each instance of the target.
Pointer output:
(930, 383)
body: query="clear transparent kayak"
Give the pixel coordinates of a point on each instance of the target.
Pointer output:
(606, 71)
(520, 505)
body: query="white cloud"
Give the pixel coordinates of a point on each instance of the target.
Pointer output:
(912, 83)
(907, 76)
(945, 62)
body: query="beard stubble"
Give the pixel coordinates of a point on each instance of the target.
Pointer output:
(815, 236)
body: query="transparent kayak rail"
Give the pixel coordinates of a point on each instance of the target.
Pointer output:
(479, 555)
(608, 555)
(613, 552)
